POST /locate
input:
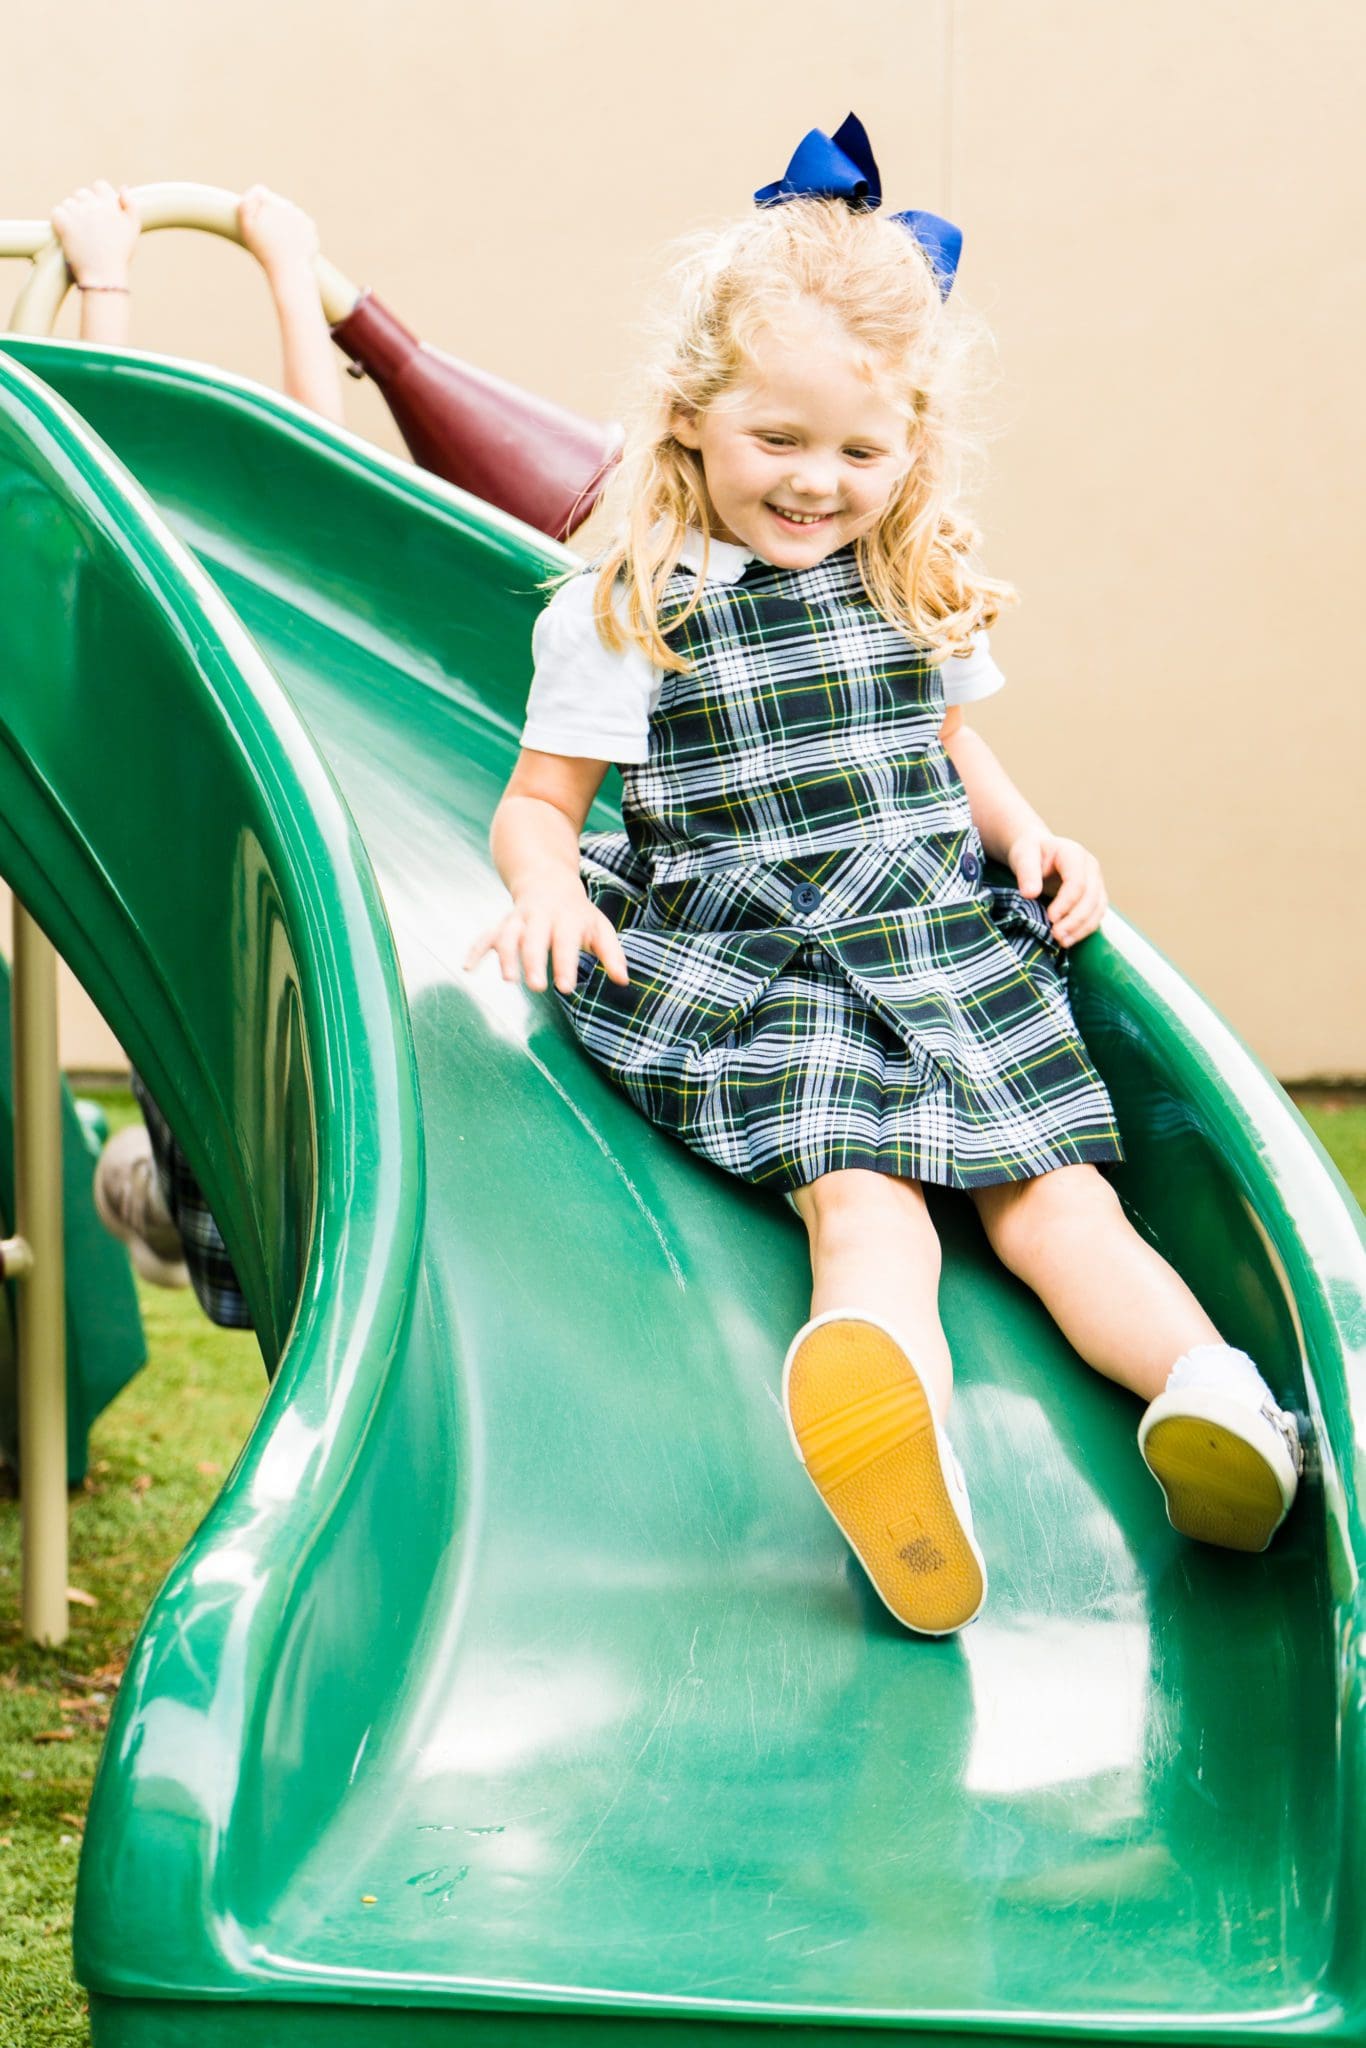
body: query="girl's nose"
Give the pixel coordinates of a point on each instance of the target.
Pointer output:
(815, 476)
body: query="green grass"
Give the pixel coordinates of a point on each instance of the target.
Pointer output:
(1338, 1121)
(157, 1458)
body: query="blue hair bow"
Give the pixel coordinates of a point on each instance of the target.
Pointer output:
(842, 166)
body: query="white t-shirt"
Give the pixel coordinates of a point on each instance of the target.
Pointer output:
(585, 700)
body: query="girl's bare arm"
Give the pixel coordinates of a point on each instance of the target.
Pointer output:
(284, 241)
(534, 839)
(310, 355)
(98, 229)
(1012, 831)
(540, 815)
(999, 811)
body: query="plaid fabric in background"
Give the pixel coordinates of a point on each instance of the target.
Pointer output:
(206, 1259)
(824, 973)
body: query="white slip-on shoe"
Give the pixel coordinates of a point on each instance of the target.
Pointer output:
(129, 1204)
(861, 1422)
(1226, 1456)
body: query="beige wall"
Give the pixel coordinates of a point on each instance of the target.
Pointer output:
(86, 1044)
(1160, 205)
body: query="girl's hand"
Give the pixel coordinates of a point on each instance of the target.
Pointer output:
(1078, 898)
(98, 229)
(551, 911)
(279, 234)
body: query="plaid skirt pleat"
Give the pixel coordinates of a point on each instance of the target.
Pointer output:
(825, 971)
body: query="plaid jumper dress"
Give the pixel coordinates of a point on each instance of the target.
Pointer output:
(823, 973)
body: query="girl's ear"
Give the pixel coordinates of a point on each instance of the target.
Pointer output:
(686, 427)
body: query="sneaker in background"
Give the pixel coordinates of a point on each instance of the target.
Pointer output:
(128, 1199)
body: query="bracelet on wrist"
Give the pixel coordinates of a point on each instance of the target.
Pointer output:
(100, 287)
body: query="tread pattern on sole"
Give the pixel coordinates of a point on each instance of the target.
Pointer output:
(866, 1431)
(1219, 1488)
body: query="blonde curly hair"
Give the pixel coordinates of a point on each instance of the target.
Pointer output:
(728, 287)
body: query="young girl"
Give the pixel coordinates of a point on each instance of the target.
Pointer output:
(793, 958)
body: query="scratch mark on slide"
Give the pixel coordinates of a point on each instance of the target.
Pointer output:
(617, 1167)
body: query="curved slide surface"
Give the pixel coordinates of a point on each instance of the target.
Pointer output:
(518, 1678)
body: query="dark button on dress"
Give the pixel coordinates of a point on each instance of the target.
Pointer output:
(822, 976)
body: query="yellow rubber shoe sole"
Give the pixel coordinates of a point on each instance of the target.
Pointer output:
(862, 1423)
(1219, 1489)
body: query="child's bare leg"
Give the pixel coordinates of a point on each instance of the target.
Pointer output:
(1128, 1313)
(873, 1246)
(1226, 1456)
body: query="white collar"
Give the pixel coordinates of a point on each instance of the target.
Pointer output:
(727, 560)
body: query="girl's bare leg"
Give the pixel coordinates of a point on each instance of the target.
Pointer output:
(873, 1246)
(1123, 1308)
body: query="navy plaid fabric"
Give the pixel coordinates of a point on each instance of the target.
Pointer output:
(206, 1259)
(825, 970)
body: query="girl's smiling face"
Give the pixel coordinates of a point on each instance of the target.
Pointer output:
(805, 451)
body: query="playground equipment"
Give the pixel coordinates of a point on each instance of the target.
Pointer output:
(103, 1330)
(541, 462)
(517, 1686)
(536, 460)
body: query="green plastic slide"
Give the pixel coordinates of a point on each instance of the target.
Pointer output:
(518, 1688)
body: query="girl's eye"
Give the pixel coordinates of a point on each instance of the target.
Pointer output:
(775, 440)
(862, 454)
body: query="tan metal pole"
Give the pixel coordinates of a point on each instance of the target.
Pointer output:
(42, 1303)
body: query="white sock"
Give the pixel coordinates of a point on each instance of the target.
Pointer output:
(1221, 1367)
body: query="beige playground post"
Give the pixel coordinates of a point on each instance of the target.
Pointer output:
(34, 1258)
